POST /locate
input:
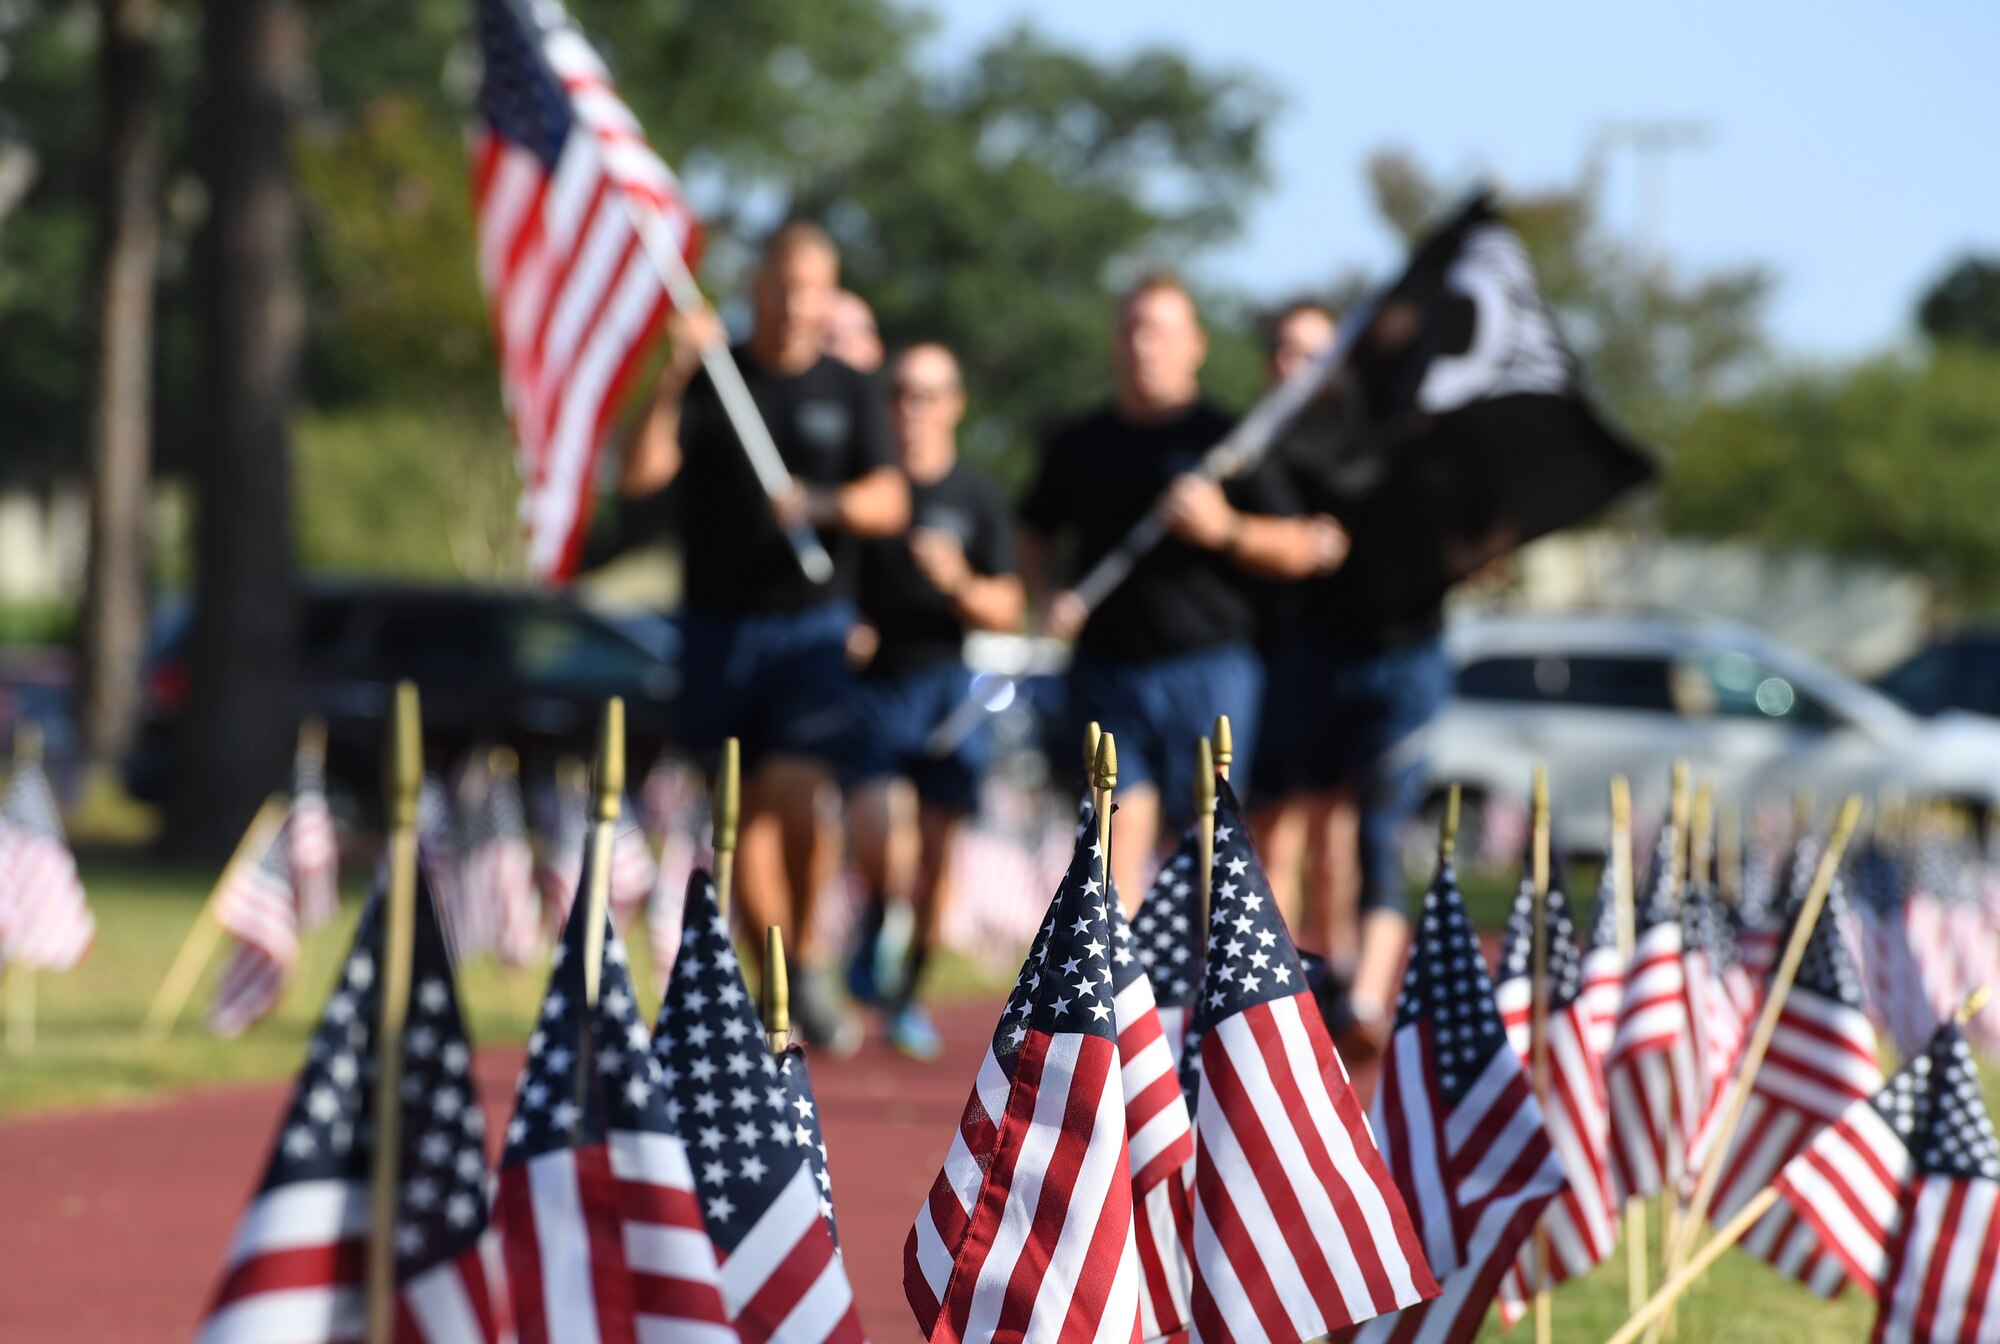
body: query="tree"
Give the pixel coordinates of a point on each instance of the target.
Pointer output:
(235, 740)
(1964, 305)
(128, 248)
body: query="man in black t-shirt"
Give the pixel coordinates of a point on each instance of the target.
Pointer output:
(764, 652)
(1172, 646)
(920, 593)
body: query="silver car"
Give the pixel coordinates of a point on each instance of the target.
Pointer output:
(1593, 695)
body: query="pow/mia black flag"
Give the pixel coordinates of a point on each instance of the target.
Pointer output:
(1459, 429)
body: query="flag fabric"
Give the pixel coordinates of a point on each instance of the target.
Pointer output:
(1603, 965)
(1653, 1075)
(563, 183)
(1460, 1129)
(1821, 1061)
(1580, 1225)
(1894, 983)
(1719, 1002)
(1299, 1227)
(313, 847)
(1168, 937)
(296, 1270)
(1047, 1250)
(466, 930)
(499, 870)
(562, 829)
(634, 871)
(801, 1112)
(759, 1177)
(257, 906)
(1939, 1285)
(45, 921)
(597, 1207)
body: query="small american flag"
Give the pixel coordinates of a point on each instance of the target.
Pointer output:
(1459, 1126)
(499, 870)
(597, 1205)
(562, 183)
(1299, 1226)
(1653, 1073)
(1168, 940)
(296, 1269)
(1581, 1223)
(256, 906)
(313, 847)
(1939, 1285)
(1603, 965)
(1048, 1251)
(759, 1173)
(1896, 998)
(466, 932)
(562, 823)
(44, 920)
(1719, 999)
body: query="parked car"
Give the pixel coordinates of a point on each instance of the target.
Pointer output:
(1960, 672)
(527, 669)
(1593, 695)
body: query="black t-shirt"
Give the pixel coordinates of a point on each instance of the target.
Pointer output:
(829, 428)
(919, 625)
(1097, 478)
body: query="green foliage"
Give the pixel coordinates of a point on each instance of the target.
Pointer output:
(1964, 305)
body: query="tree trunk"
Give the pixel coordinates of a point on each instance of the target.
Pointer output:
(243, 706)
(128, 249)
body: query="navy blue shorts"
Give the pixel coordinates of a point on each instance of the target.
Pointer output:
(1346, 721)
(1157, 708)
(779, 681)
(893, 718)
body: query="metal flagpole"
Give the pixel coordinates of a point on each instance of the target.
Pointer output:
(777, 992)
(726, 806)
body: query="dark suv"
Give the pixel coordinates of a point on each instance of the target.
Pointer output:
(527, 669)
(1961, 671)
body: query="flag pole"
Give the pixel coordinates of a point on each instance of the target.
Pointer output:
(1538, 1034)
(777, 989)
(727, 805)
(1678, 1283)
(21, 979)
(1225, 746)
(1621, 890)
(609, 772)
(203, 934)
(1670, 1195)
(1767, 1022)
(404, 779)
(1106, 779)
(1204, 826)
(751, 431)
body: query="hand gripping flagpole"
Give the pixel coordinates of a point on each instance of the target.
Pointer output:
(727, 805)
(1538, 1034)
(737, 403)
(405, 777)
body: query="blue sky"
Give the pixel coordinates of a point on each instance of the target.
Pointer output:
(1850, 148)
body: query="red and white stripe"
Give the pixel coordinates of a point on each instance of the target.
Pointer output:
(314, 857)
(676, 1287)
(1298, 1228)
(1160, 1138)
(1653, 1076)
(634, 872)
(45, 921)
(296, 1272)
(576, 302)
(1939, 1288)
(1602, 993)
(499, 876)
(1837, 1203)
(1048, 1250)
(256, 907)
(1720, 1032)
(785, 1282)
(563, 1237)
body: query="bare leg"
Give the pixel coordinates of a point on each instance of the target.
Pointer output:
(1280, 830)
(761, 892)
(1135, 838)
(1333, 872)
(1385, 936)
(807, 808)
(932, 895)
(882, 822)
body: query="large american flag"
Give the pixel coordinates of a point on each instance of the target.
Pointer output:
(313, 847)
(1580, 1225)
(296, 1268)
(1047, 1251)
(597, 1206)
(1168, 940)
(1653, 1074)
(1939, 1284)
(1298, 1225)
(758, 1175)
(499, 870)
(1456, 1115)
(44, 920)
(257, 907)
(563, 182)
(1820, 1062)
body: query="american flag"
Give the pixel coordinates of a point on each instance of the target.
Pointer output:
(1603, 965)
(1459, 1126)
(1168, 940)
(1939, 1284)
(1896, 999)
(466, 932)
(1298, 1226)
(597, 1204)
(296, 1269)
(1719, 1000)
(563, 182)
(499, 870)
(1820, 1062)
(256, 906)
(1581, 1223)
(562, 825)
(44, 920)
(1838, 1195)
(1048, 1250)
(673, 808)
(1653, 1073)
(313, 847)
(759, 1175)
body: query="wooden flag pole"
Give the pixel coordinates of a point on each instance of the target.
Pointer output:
(1204, 827)
(404, 780)
(777, 992)
(206, 931)
(609, 791)
(1729, 854)
(1767, 1021)
(1678, 1283)
(727, 805)
(1620, 858)
(1225, 745)
(1538, 1035)
(1671, 1250)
